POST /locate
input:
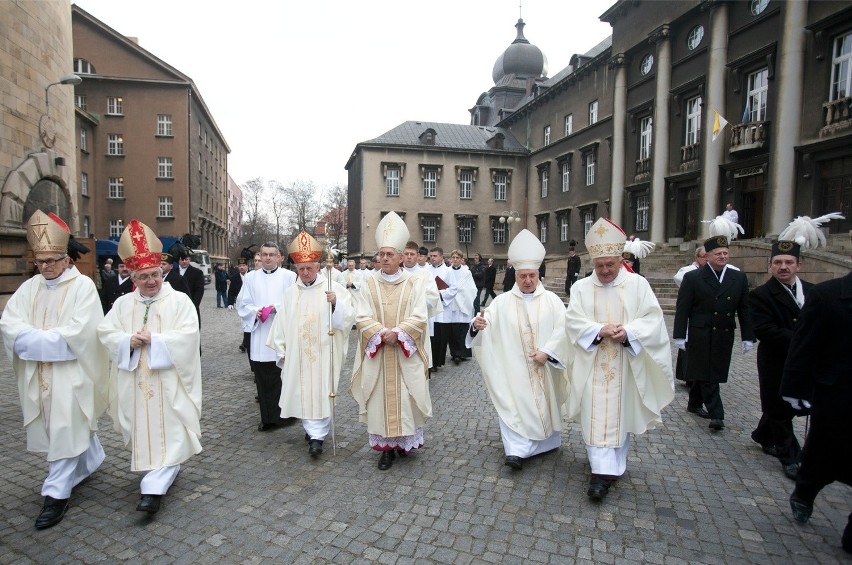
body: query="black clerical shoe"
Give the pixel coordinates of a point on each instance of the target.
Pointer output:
(315, 447)
(386, 460)
(598, 488)
(801, 509)
(514, 462)
(700, 412)
(456, 360)
(791, 471)
(149, 503)
(242, 349)
(52, 512)
(716, 424)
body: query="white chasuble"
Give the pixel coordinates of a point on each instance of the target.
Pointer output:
(312, 359)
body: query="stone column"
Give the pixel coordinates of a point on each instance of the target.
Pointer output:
(784, 137)
(714, 102)
(660, 149)
(619, 123)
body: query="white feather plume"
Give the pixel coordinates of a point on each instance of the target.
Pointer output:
(721, 225)
(805, 231)
(640, 249)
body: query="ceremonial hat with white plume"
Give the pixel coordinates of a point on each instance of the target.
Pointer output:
(721, 225)
(637, 249)
(806, 231)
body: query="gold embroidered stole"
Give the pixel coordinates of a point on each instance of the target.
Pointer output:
(149, 429)
(46, 307)
(528, 315)
(607, 377)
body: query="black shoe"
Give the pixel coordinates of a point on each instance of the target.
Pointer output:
(242, 349)
(700, 412)
(456, 360)
(801, 509)
(791, 471)
(514, 462)
(771, 450)
(716, 424)
(598, 488)
(266, 427)
(386, 460)
(149, 503)
(52, 512)
(315, 447)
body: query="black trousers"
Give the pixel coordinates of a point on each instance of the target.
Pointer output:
(439, 344)
(457, 335)
(267, 377)
(777, 432)
(708, 394)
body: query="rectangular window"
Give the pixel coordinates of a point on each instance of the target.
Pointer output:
(84, 140)
(563, 227)
(200, 162)
(590, 168)
(166, 207)
(566, 176)
(841, 68)
(164, 124)
(500, 182)
(588, 221)
(547, 135)
(115, 187)
(80, 101)
(498, 232)
(466, 185)
(114, 104)
(642, 205)
(646, 127)
(430, 183)
(84, 184)
(542, 230)
(593, 112)
(544, 177)
(430, 229)
(164, 167)
(115, 144)
(392, 182)
(758, 88)
(693, 120)
(115, 228)
(87, 223)
(465, 230)
(569, 124)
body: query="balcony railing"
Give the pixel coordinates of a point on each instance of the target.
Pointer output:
(838, 115)
(689, 156)
(749, 136)
(643, 170)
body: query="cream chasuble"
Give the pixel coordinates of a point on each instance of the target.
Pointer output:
(613, 391)
(311, 357)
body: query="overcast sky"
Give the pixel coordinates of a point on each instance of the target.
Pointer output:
(294, 86)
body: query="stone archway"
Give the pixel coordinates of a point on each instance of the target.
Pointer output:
(38, 182)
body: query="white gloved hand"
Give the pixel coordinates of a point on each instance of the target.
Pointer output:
(747, 345)
(231, 307)
(796, 403)
(681, 344)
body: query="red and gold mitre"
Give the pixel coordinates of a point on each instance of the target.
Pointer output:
(46, 233)
(139, 247)
(305, 249)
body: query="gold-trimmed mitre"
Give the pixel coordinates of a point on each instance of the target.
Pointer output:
(47, 233)
(305, 249)
(139, 247)
(526, 251)
(605, 239)
(392, 232)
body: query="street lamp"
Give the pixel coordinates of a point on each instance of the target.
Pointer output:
(46, 128)
(67, 79)
(507, 217)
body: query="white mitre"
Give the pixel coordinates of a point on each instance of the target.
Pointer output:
(392, 232)
(526, 251)
(605, 239)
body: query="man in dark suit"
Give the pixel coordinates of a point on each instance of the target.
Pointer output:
(775, 308)
(817, 374)
(709, 300)
(194, 279)
(508, 277)
(117, 286)
(171, 276)
(574, 266)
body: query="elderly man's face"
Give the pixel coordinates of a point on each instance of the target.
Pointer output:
(50, 265)
(527, 280)
(409, 257)
(701, 258)
(718, 258)
(362, 263)
(607, 268)
(784, 268)
(390, 260)
(307, 272)
(350, 264)
(148, 281)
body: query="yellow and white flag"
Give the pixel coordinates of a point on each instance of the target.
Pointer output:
(719, 124)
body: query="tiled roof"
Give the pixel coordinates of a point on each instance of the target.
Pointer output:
(447, 136)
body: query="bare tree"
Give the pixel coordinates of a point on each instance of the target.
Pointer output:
(278, 204)
(335, 215)
(256, 228)
(303, 207)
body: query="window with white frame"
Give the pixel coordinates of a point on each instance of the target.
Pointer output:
(83, 67)
(500, 182)
(588, 220)
(565, 170)
(841, 67)
(498, 232)
(563, 227)
(80, 101)
(115, 144)
(465, 230)
(164, 124)
(758, 88)
(589, 162)
(200, 162)
(115, 187)
(593, 112)
(646, 126)
(547, 135)
(466, 185)
(544, 177)
(84, 139)
(115, 228)
(87, 223)
(430, 229)
(430, 183)
(569, 124)
(542, 229)
(164, 167)
(114, 104)
(643, 203)
(84, 184)
(392, 181)
(693, 120)
(165, 208)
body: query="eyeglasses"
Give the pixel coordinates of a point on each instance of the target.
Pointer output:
(383, 254)
(48, 262)
(147, 276)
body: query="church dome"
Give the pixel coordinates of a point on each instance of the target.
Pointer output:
(521, 58)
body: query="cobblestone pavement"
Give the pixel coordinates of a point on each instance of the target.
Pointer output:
(689, 495)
